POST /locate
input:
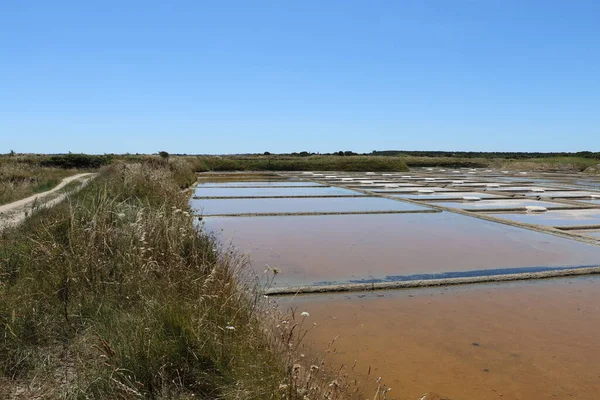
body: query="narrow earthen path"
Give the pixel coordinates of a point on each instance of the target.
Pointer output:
(15, 212)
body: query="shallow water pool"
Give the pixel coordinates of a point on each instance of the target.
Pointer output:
(258, 183)
(510, 341)
(274, 191)
(446, 195)
(295, 205)
(497, 204)
(330, 249)
(556, 217)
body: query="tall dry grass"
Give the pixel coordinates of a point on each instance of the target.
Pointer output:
(114, 294)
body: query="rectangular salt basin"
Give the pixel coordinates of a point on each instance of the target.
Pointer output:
(557, 217)
(258, 183)
(476, 184)
(360, 182)
(291, 192)
(354, 185)
(416, 189)
(533, 340)
(316, 250)
(295, 205)
(560, 194)
(498, 204)
(446, 195)
(522, 188)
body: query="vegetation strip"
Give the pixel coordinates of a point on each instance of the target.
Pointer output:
(431, 282)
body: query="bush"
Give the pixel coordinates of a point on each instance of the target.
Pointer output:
(80, 161)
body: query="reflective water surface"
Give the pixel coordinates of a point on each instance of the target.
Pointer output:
(291, 205)
(447, 195)
(557, 217)
(519, 341)
(363, 248)
(565, 194)
(258, 183)
(274, 191)
(499, 204)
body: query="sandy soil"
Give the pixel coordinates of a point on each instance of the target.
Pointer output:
(15, 212)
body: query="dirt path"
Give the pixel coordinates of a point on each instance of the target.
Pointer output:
(15, 212)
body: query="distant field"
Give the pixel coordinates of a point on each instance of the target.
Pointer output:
(551, 163)
(295, 163)
(23, 176)
(383, 163)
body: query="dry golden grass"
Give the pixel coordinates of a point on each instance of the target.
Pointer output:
(114, 294)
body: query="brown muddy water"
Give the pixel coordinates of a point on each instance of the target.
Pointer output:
(332, 249)
(511, 341)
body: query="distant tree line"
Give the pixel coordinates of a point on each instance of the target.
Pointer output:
(482, 154)
(456, 154)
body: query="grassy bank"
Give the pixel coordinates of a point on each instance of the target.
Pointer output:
(115, 294)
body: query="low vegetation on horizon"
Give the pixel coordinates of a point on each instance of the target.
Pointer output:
(393, 161)
(25, 175)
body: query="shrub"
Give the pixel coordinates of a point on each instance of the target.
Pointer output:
(80, 161)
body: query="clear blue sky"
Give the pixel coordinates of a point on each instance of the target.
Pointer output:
(281, 76)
